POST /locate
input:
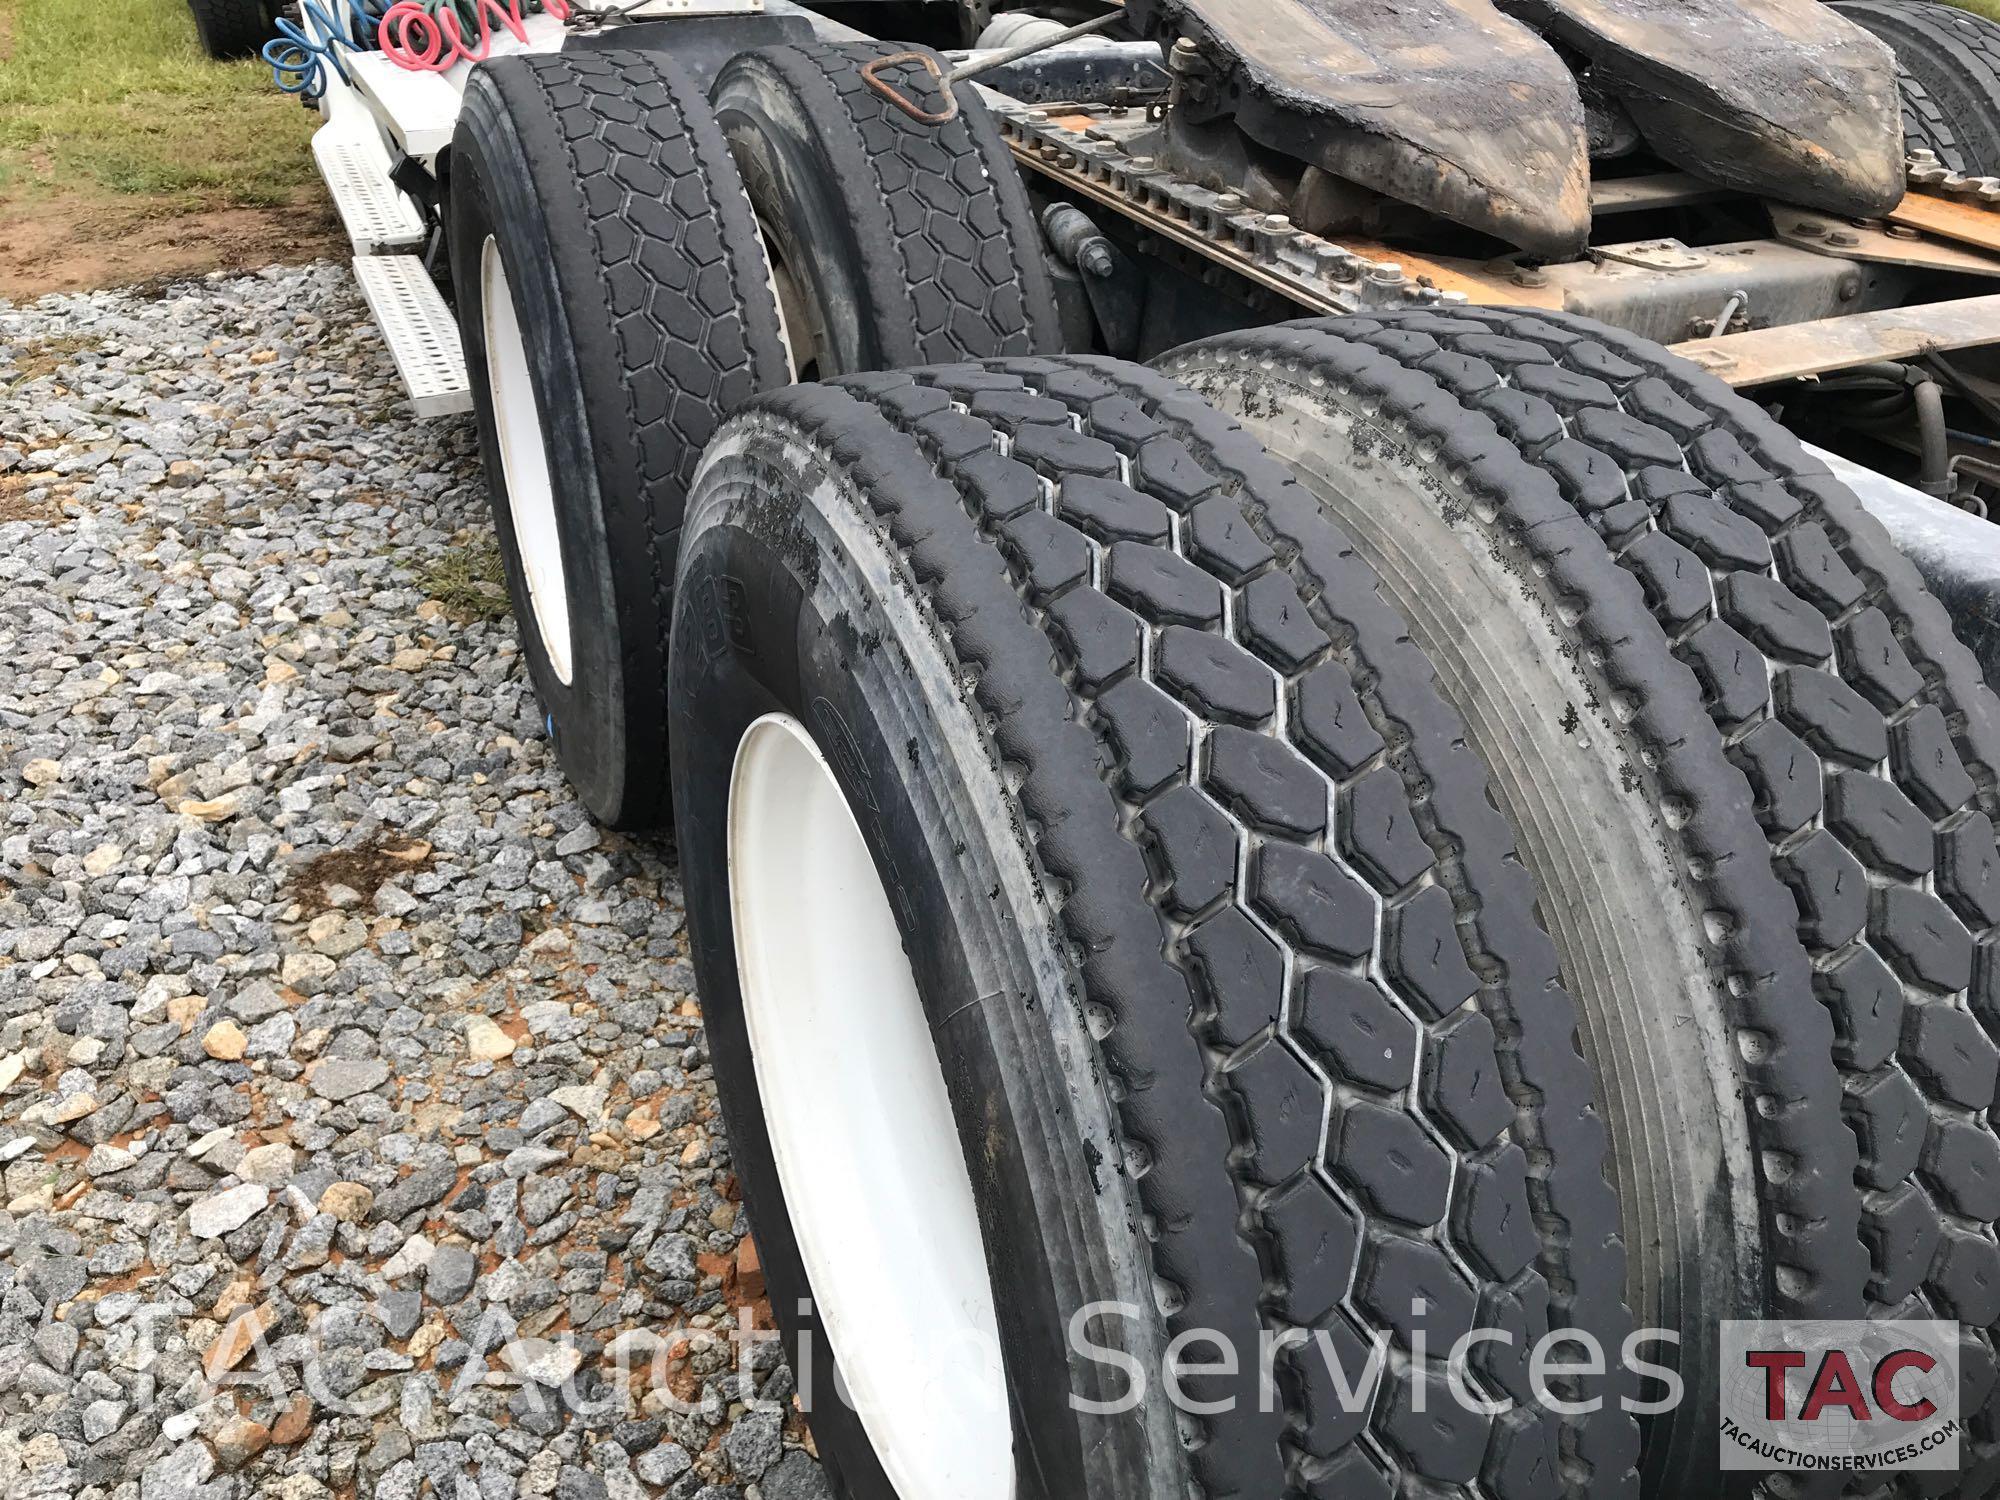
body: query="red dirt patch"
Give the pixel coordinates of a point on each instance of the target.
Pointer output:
(362, 868)
(15, 504)
(74, 242)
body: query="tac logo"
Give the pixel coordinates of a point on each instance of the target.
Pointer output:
(1843, 1396)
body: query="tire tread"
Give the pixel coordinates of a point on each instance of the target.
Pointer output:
(1891, 865)
(1477, 1180)
(670, 312)
(230, 28)
(1948, 67)
(949, 245)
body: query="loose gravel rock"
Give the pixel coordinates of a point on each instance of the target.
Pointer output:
(355, 1116)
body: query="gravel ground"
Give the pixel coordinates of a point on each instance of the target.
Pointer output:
(357, 1126)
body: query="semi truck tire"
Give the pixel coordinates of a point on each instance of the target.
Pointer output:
(615, 304)
(1095, 906)
(230, 28)
(1954, 56)
(1918, 1076)
(1863, 736)
(899, 242)
(1676, 934)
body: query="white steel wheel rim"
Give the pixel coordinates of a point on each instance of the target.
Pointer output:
(861, 1127)
(524, 462)
(794, 327)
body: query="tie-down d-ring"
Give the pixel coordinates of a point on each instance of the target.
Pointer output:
(871, 75)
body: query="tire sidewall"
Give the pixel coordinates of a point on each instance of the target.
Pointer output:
(199, 12)
(491, 196)
(753, 636)
(797, 204)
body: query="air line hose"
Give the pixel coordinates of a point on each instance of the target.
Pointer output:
(420, 35)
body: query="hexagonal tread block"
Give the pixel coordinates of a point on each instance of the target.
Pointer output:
(1363, 1036)
(1216, 677)
(1463, 1089)
(1393, 1167)
(1424, 956)
(1774, 617)
(1162, 586)
(1282, 1112)
(1265, 783)
(1316, 1244)
(1879, 823)
(1379, 833)
(1921, 938)
(1784, 774)
(1239, 976)
(1950, 1053)
(1329, 723)
(1887, 1116)
(1148, 734)
(1317, 906)
(1191, 845)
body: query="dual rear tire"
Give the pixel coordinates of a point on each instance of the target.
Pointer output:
(595, 195)
(1738, 768)
(1767, 856)
(1233, 983)
(899, 243)
(614, 306)
(1187, 917)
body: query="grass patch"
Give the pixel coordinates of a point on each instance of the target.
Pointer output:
(469, 581)
(1987, 8)
(118, 97)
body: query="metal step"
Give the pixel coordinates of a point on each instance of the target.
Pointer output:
(375, 213)
(420, 331)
